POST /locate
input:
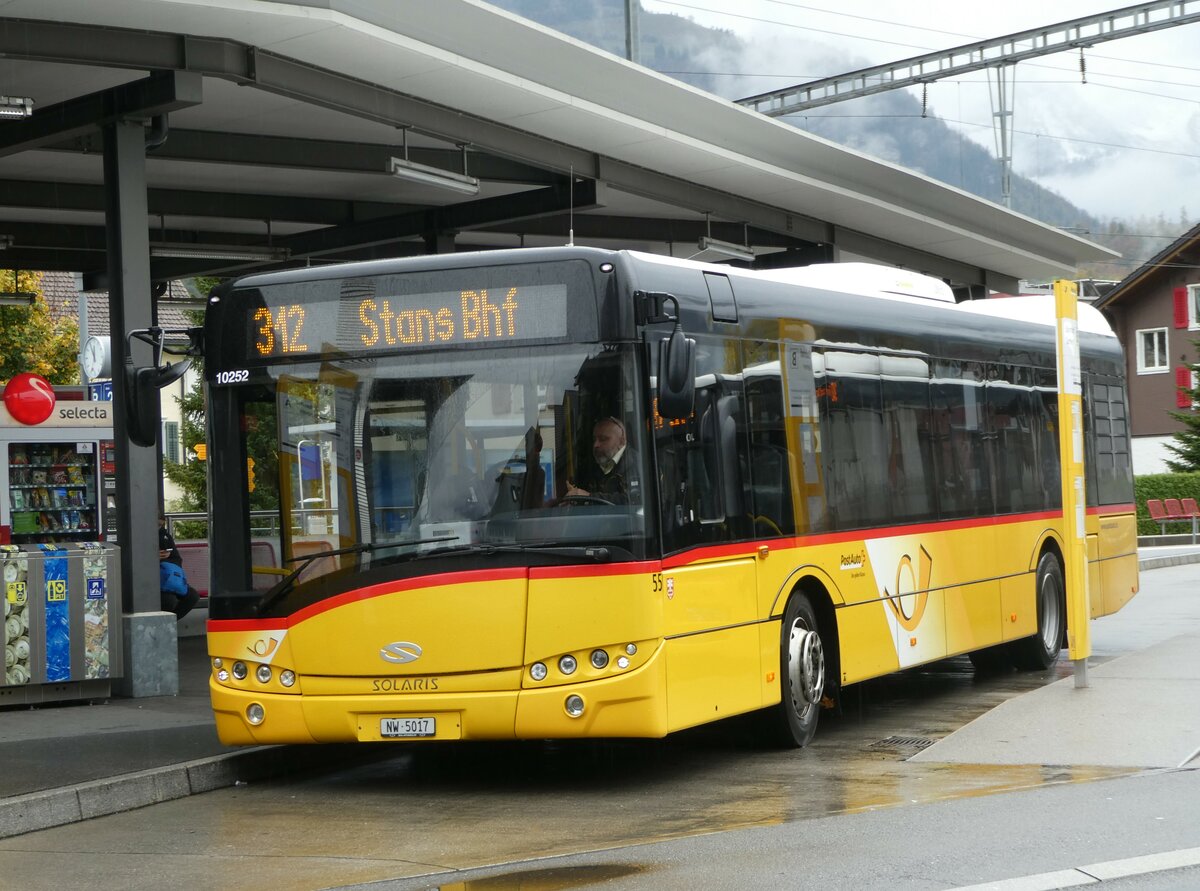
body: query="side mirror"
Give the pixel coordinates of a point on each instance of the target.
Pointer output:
(142, 406)
(142, 385)
(676, 375)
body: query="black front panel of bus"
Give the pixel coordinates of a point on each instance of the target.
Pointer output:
(397, 312)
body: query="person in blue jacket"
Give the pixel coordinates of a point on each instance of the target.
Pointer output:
(178, 596)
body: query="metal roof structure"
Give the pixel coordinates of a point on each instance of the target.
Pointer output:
(281, 119)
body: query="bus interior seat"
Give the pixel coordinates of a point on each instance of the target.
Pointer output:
(265, 567)
(303, 548)
(194, 555)
(768, 468)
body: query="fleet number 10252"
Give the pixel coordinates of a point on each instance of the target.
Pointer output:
(239, 376)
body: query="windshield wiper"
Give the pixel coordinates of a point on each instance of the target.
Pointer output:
(284, 585)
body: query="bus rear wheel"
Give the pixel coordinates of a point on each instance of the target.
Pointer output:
(802, 668)
(1041, 651)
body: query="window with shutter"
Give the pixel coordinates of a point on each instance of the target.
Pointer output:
(1183, 380)
(1181, 308)
(171, 442)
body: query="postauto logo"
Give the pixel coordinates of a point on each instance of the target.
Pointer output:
(400, 652)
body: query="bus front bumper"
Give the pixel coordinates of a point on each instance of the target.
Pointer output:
(629, 705)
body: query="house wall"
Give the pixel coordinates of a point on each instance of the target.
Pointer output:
(1153, 395)
(1149, 454)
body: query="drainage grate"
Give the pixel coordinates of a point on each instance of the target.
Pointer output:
(903, 742)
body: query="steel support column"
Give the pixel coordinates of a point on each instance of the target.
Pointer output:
(129, 308)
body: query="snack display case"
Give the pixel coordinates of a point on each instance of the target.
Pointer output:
(53, 491)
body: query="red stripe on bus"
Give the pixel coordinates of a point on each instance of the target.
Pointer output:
(747, 549)
(347, 597)
(591, 569)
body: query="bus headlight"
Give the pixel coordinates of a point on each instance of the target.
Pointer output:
(567, 664)
(599, 659)
(287, 677)
(239, 671)
(263, 673)
(574, 705)
(537, 671)
(255, 713)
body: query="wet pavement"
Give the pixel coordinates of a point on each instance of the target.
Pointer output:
(923, 735)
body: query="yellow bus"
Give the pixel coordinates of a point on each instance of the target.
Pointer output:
(568, 492)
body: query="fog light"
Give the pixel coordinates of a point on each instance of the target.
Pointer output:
(217, 663)
(623, 662)
(263, 673)
(631, 649)
(574, 705)
(537, 671)
(222, 675)
(239, 670)
(567, 664)
(255, 713)
(599, 658)
(287, 677)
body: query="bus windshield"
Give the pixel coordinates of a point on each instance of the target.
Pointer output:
(369, 461)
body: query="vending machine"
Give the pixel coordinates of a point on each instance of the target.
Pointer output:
(53, 472)
(61, 572)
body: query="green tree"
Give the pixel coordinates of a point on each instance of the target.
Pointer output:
(32, 339)
(1186, 447)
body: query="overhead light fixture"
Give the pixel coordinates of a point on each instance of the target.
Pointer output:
(728, 249)
(15, 106)
(433, 176)
(217, 252)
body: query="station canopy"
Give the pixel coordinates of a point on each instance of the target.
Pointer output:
(291, 133)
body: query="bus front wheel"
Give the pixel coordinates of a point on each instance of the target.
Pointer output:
(1041, 651)
(802, 676)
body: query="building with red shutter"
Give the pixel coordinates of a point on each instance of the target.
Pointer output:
(1156, 314)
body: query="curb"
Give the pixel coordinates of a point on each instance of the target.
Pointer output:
(1175, 560)
(50, 808)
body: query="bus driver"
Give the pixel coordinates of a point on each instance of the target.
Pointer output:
(610, 479)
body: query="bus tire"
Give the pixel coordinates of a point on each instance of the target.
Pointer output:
(802, 673)
(1040, 651)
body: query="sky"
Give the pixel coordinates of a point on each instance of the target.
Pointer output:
(1124, 144)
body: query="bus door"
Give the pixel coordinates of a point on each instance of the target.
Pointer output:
(710, 571)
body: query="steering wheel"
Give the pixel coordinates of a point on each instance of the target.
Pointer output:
(568, 500)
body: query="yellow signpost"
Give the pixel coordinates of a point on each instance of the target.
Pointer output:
(1070, 439)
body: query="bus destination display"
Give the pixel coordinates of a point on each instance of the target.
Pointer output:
(293, 326)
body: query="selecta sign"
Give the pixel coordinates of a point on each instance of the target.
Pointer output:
(29, 401)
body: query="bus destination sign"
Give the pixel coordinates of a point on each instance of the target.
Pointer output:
(357, 323)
